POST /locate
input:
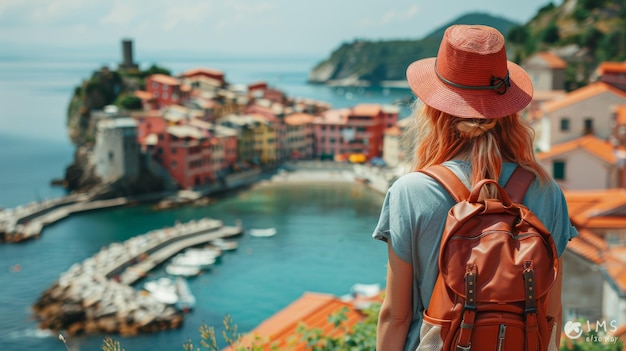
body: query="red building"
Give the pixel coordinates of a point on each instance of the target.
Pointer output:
(215, 75)
(166, 90)
(359, 130)
(260, 90)
(194, 154)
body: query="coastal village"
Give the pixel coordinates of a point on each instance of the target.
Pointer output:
(199, 135)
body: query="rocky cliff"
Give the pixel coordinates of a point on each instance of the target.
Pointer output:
(104, 87)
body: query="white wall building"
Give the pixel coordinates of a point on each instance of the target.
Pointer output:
(116, 151)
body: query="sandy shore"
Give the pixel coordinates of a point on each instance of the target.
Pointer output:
(313, 176)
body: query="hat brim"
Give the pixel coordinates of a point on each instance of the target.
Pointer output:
(466, 103)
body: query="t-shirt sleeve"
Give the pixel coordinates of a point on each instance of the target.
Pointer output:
(396, 221)
(562, 229)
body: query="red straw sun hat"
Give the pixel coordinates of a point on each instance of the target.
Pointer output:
(471, 77)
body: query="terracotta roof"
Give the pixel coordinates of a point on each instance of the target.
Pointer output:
(257, 85)
(553, 60)
(299, 119)
(588, 245)
(366, 110)
(312, 310)
(333, 117)
(611, 67)
(164, 79)
(143, 95)
(582, 94)
(597, 209)
(592, 144)
(201, 70)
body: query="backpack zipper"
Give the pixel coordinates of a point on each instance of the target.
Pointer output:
(501, 336)
(489, 232)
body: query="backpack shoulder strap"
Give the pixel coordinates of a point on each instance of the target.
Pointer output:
(444, 176)
(518, 184)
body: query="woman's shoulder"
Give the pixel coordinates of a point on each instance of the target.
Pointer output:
(412, 181)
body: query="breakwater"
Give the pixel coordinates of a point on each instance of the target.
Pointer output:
(96, 295)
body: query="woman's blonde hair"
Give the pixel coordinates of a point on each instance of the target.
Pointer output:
(437, 137)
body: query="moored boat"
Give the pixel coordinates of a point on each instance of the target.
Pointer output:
(162, 290)
(185, 271)
(225, 245)
(262, 232)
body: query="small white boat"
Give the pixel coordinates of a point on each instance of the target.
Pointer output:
(186, 300)
(203, 252)
(225, 245)
(263, 232)
(202, 262)
(163, 290)
(185, 271)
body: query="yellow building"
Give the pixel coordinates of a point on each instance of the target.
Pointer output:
(264, 140)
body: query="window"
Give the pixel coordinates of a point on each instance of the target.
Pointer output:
(588, 126)
(174, 164)
(155, 85)
(564, 124)
(558, 170)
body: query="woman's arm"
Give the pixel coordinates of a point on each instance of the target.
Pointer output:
(396, 311)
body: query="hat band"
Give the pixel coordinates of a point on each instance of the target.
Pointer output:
(497, 84)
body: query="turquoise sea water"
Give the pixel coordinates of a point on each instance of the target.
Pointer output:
(323, 242)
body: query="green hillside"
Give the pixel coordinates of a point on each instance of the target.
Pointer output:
(582, 32)
(374, 62)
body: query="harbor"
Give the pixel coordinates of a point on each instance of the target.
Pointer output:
(25, 222)
(97, 295)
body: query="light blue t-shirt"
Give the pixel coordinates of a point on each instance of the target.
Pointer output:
(413, 217)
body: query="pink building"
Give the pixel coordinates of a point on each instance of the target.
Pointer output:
(195, 154)
(355, 131)
(166, 90)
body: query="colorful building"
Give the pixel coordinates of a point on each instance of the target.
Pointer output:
(265, 142)
(245, 127)
(587, 110)
(166, 90)
(613, 73)
(354, 131)
(299, 138)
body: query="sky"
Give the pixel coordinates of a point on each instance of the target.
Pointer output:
(263, 27)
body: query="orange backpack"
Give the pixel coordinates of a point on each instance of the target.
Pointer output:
(497, 264)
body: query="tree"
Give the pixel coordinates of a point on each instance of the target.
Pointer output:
(550, 35)
(129, 102)
(518, 35)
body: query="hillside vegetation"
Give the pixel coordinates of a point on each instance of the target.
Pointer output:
(363, 62)
(583, 32)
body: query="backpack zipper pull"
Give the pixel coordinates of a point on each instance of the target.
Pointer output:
(501, 336)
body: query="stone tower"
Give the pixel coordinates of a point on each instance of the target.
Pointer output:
(127, 56)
